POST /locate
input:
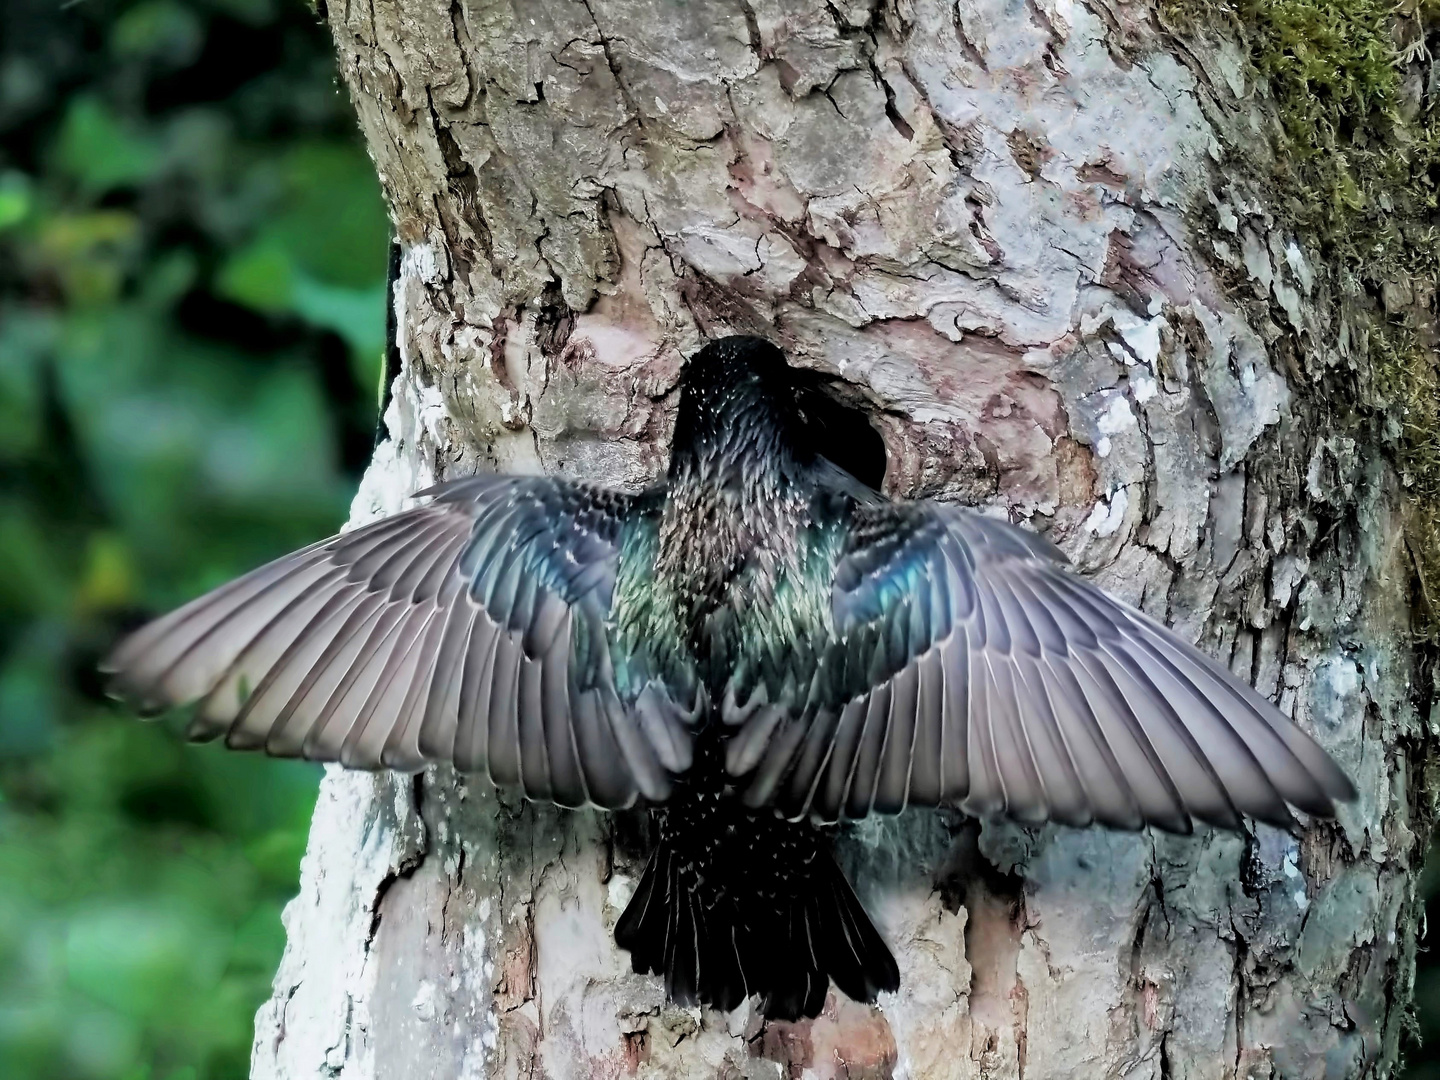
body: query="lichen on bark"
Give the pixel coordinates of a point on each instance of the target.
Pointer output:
(1026, 237)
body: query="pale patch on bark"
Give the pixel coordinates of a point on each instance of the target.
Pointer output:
(1009, 226)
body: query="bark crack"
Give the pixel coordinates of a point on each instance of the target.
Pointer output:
(404, 869)
(462, 39)
(968, 48)
(636, 115)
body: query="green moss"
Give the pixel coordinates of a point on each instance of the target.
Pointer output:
(1357, 151)
(1362, 172)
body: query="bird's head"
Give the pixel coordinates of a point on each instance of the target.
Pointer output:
(732, 371)
(737, 400)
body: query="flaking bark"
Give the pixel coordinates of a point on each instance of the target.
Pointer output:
(1018, 231)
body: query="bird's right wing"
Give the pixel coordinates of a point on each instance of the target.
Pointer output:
(473, 630)
(963, 664)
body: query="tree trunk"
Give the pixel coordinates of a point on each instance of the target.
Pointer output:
(1019, 232)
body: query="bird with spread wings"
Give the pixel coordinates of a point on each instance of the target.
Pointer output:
(756, 647)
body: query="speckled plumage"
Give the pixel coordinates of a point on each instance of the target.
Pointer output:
(756, 646)
(737, 900)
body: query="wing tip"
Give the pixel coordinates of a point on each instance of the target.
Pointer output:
(1338, 785)
(146, 701)
(201, 729)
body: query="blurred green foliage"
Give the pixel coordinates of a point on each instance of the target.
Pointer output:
(192, 263)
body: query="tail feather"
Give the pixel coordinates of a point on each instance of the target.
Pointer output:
(791, 959)
(644, 926)
(722, 972)
(722, 913)
(863, 966)
(682, 946)
(635, 929)
(672, 929)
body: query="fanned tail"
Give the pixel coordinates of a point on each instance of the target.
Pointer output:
(855, 955)
(677, 928)
(735, 902)
(809, 929)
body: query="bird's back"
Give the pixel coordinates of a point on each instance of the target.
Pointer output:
(736, 575)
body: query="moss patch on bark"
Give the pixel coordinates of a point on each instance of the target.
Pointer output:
(1355, 90)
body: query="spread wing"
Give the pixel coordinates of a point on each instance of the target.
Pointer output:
(963, 665)
(471, 630)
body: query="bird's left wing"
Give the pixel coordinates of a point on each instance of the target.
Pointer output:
(473, 630)
(961, 663)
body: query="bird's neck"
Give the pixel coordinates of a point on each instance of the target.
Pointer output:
(722, 508)
(735, 438)
(737, 501)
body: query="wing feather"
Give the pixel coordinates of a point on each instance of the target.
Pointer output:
(500, 681)
(955, 719)
(963, 664)
(625, 759)
(840, 767)
(987, 785)
(440, 721)
(859, 791)
(397, 662)
(1064, 794)
(1110, 798)
(402, 749)
(201, 661)
(295, 701)
(892, 780)
(530, 718)
(474, 630)
(925, 773)
(1021, 780)
(265, 707)
(340, 711)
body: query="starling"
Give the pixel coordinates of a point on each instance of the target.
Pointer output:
(756, 648)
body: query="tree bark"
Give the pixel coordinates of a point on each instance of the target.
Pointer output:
(1020, 233)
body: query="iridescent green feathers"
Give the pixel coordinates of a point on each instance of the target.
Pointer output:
(474, 631)
(857, 654)
(964, 665)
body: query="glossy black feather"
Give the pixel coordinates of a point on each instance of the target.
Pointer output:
(761, 633)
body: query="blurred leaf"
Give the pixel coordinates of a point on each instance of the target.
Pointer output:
(260, 276)
(335, 226)
(171, 276)
(109, 576)
(143, 959)
(160, 30)
(186, 222)
(26, 338)
(254, 12)
(90, 252)
(31, 581)
(100, 151)
(101, 1043)
(28, 703)
(321, 256)
(15, 198)
(357, 315)
(277, 854)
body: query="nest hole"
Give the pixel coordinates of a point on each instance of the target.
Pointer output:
(842, 432)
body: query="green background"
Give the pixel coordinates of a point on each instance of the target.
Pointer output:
(192, 262)
(192, 278)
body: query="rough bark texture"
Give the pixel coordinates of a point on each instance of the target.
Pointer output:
(1009, 226)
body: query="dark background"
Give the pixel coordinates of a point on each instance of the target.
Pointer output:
(192, 270)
